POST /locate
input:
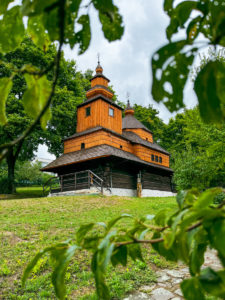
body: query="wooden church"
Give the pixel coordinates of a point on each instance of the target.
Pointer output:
(116, 155)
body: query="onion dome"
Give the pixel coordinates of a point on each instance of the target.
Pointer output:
(129, 109)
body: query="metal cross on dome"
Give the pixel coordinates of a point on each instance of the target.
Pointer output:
(98, 56)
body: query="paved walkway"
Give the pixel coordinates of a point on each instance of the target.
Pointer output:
(167, 286)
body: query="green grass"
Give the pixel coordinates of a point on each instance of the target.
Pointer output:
(24, 192)
(29, 225)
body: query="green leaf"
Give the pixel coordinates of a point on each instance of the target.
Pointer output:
(83, 37)
(162, 217)
(213, 282)
(180, 198)
(206, 198)
(179, 16)
(36, 7)
(58, 275)
(207, 88)
(4, 5)
(5, 87)
(101, 288)
(106, 5)
(169, 254)
(192, 290)
(193, 29)
(52, 24)
(168, 6)
(119, 256)
(112, 24)
(216, 232)
(134, 251)
(37, 32)
(170, 68)
(33, 263)
(197, 257)
(82, 231)
(11, 26)
(36, 97)
(114, 221)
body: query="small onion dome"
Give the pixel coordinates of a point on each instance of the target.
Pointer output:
(129, 109)
(99, 69)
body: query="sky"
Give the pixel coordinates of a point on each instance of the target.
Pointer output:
(127, 62)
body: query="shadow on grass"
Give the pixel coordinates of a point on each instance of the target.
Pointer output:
(24, 193)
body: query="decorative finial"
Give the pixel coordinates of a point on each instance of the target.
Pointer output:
(128, 99)
(98, 55)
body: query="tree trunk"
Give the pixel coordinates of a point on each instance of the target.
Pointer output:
(11, 170)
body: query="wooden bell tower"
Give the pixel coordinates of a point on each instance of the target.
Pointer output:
(98, 109)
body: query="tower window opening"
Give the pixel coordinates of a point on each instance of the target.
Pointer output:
(153, 157)
(88, 111)
(111, 112)
(156, 158)
(82, 146)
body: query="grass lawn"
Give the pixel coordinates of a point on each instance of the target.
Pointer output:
(29, 225)
(24, 192)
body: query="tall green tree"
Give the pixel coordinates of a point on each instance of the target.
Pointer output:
(70, 91)
(17, 118)
(198, 151)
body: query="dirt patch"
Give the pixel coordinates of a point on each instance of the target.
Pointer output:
(11, 237)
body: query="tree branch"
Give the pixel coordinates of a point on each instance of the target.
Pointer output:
(20, 140)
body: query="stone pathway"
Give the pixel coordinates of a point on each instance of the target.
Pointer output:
(167, 286)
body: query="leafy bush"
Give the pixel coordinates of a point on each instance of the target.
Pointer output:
(219, 198)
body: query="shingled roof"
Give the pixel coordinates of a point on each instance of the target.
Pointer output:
(134, 138)
(96, 152)
(130, 122)
(127, 135)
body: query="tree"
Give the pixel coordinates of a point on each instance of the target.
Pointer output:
(70, 92)
(197, 150)
(28, 172)
(149, 117)
(18, 120)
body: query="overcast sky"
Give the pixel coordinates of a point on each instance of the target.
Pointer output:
(127, 62)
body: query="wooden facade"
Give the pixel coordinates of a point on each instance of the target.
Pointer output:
(115, 149)
(99, 116)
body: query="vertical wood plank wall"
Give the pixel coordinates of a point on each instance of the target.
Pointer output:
(99, 117)
(105, 138)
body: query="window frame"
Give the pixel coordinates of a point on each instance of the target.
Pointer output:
(156, 158)
(152, 157)
(88, 109)
(111, 109)
(160, 159)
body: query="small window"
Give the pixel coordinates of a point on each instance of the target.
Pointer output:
(82, 145)
(88, 111)
(156, 158)
(121, 147)
(153, 157)
(160, 159)
(111, 112)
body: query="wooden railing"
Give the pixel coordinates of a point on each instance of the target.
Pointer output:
(73, 181)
